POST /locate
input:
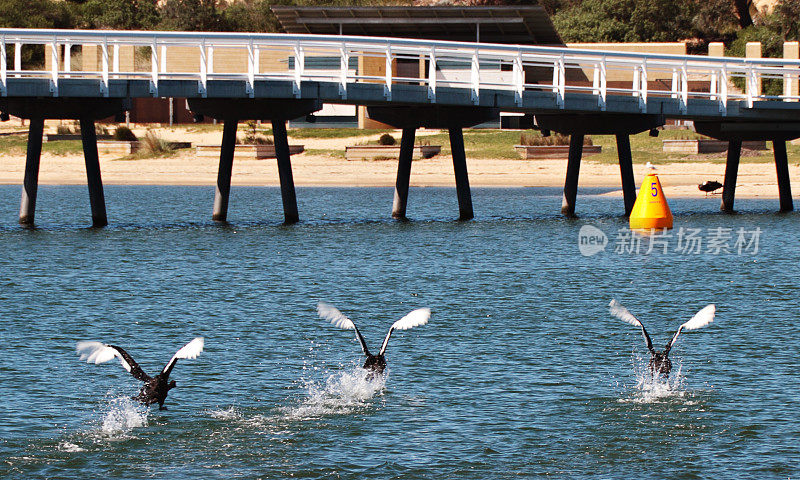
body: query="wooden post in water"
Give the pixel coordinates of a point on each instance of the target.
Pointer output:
(731, 173)
(625, 171)
(226, 152)
(288, 196)
(93, 179)
(573, 169)
(782, 167)
(30, 185)
(460, 169)
(403, 174)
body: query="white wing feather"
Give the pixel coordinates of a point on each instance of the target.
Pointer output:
(333, 315)
(415, 318)
(701, 318)
(190, 350)
(617, 310)
(418, 317)
(98, 352)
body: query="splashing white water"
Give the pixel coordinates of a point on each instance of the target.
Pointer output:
(230, 413)
(122, 415)
(656, 388)
(341, 394)
(70, 447)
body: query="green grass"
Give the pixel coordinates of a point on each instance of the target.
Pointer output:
(332, 132)
(18, 145)
(645, 148)
(325, 152)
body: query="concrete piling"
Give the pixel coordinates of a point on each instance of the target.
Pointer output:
(288, 196)
(223, 190)
(460, 169)
(573, 169)
(782, 168)
(403, 174)
(731, 173)
(626, 171)
(30, 185)
(93, 179)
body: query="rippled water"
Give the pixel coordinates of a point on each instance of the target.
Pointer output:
(521, 372)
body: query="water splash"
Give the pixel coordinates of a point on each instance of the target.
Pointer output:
(230, 413)
(341, 393)
(656, 388)
(122, 415)
(69, 447)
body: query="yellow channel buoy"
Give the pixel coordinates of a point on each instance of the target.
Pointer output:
(651, 209)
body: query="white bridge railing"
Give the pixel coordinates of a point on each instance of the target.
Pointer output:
(475, 67)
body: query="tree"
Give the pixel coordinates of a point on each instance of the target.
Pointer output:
(34, 14)
(121, 14)
(191, 15)
(625, 21)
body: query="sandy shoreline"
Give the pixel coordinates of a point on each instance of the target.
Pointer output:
(185, 168)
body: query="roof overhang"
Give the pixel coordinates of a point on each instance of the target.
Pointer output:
(527, 25)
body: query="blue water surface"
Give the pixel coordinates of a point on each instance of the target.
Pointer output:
(520, 373)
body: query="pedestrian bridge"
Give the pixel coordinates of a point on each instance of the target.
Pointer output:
(459, 85)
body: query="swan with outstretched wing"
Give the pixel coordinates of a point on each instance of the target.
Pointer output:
(155, 389)
(374, 363)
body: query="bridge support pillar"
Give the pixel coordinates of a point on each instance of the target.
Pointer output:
(93, 179)
(782, 167)
(731, 173)
(226, 152)
(288, 196)
(403, 174)
(573, 169)
(454, 119)
(626, 171)
(30, 185)
(462, 179)
(579, 125)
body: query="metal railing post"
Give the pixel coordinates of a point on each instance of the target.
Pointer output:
(723, 90)
(18, 58)
(432, 75)
(104, 67)
(643, 83)
(202, 85)
(115, 62)
(251, 70)
(67, 59)
(387, 87)
(684, 89)
(519, 79)
(299, 62)
(3, 67)
(603, 84)
(344, 66)
(154, 67)
(54, 67)
(475, 78)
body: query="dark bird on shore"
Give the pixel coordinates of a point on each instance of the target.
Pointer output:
(375, 363)
(709, 186)
(155, 388)
(659, 361)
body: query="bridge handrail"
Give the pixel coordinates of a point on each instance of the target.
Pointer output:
(681, 68)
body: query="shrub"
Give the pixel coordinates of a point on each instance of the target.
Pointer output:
(100, 130)
(123, 133)
(386, 139)
(153, 145)
(536, 139)
(63, 130)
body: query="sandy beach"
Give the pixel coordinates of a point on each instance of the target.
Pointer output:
(186, 168)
